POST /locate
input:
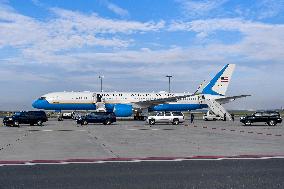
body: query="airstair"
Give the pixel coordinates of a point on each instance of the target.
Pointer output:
(100, 107)
(100, 104)
(215, 107)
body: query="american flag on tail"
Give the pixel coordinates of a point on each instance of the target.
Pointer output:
(224, 79)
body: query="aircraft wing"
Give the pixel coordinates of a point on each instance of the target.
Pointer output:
(230, 99)
(148, 103)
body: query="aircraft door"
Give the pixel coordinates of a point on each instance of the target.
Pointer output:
(94, 98)
(99, 98)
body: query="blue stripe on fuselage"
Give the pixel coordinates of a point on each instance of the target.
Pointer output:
(44, 104)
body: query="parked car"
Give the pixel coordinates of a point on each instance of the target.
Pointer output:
(210, 116)
(166, 117)
(30, 117)
(106, 118)
(269, 117)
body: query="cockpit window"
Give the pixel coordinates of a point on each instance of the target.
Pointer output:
(42, 98)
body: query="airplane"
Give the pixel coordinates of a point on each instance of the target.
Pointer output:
(211, 96)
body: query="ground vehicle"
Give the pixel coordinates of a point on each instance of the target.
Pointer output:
(166, 117)
(269, 117)
(30, 117)
(106, 118)
(65, 115)
(210, 116)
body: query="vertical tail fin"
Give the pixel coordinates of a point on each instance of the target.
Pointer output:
(219, 84)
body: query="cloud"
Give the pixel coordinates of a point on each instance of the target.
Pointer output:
(260, 41)
(94, 23)
(117, 10)
(41, 41)
(67, 30)
(193, 8)
(270, 8)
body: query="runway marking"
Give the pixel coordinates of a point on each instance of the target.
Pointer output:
(137, 160)
(62, 130)
(241, 131)
(212, 128)
(146, 129)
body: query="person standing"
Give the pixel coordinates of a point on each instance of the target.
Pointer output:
(192, 118)
(233, 117)
(225, 116)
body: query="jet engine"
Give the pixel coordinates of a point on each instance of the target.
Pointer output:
(122, 110)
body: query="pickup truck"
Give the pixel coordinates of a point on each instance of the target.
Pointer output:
(166, 117)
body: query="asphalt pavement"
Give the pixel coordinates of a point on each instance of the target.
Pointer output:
(207, 174)
(64, 140)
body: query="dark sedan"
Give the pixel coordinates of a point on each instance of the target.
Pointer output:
(106, 118)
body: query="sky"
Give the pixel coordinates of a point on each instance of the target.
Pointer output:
(61, 45)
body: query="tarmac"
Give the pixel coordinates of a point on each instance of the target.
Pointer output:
(237, 174)
(131, 154)
(66, 140)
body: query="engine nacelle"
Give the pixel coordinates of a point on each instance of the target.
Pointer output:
(122, 110)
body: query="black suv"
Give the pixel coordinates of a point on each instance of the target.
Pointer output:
(269, 117)
(106, 118)
(30, 117)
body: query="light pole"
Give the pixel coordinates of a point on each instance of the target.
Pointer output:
(101, 78)
(169, 76)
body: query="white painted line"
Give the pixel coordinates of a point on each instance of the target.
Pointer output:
(47, 130)
(64, 162)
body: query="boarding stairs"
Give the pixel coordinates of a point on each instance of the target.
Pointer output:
(100, 107)
(216, 108)
(100, 104)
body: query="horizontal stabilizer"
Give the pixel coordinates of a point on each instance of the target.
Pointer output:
(230, 99)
